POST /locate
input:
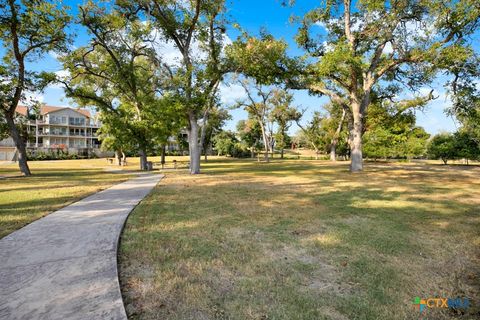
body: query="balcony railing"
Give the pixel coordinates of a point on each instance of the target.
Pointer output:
(71, 123)
(58, 133)
(33, 145)
(61, 146)
(76, 123)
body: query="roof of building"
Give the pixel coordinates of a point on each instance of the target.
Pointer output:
(44, 109)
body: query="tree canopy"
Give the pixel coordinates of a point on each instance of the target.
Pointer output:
(118, 72)
(29, 29)
(371, 44)
(195, 77)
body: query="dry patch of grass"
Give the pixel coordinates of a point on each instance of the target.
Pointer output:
(53, 185)
(303, 240)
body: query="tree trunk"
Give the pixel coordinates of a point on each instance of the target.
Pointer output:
(265, 142)
(264, 137)
(281, 153)
(193, 145)
(20, 144)
(162, 159)
(333, 151)
(124, 158)
(356, 163)
(118, 155)
(333, 145)
(143, 159)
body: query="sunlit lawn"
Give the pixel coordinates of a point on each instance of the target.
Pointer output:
(303, 240)
(54, 184)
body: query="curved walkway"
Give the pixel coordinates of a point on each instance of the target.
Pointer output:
(64, 266)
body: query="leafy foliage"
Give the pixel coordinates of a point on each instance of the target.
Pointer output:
(391, 132)
(28, 30)
(118, 73)
(250, 133)
(442, 146)
(314, 133)
(213, 126)
(194, 79)
(370, 45)
(283, 114)
(227, 144)
(263, 59)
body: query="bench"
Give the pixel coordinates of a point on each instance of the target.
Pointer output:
(175, 164)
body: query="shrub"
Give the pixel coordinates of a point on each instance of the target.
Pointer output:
(442, 146)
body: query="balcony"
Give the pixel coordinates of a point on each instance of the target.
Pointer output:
(76, 123)
(70, 123)
(33, 145)
(57, 133)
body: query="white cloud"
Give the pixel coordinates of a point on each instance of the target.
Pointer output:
(388, 48)
(321, 24)
(61, 74)
(327, 46)
(434, 118)
(169, 53)
(424, 91)
(32, 97)
(229, 94)
(53, 54)
(172, 56)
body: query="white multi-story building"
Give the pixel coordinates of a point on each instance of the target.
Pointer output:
(72, 130)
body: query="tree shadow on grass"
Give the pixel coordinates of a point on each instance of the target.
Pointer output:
(274, 238)
(27, 199)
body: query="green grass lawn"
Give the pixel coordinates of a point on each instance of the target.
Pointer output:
(53, 185)
(303, 240)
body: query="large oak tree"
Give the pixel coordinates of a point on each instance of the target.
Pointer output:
(119, 73)
(196, 29)
(28, 30)
(373, 42)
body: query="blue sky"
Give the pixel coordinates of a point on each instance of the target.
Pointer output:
(253, 15)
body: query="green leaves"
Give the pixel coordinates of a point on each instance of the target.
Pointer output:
(118, 73)
(447, 146)
(442, 146)
(38, 25)
(29, 29)
(263, 59)
(391, 130)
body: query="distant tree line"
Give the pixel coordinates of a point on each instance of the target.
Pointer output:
(371, 61)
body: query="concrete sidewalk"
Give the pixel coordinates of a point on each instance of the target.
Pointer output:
(64, 266)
